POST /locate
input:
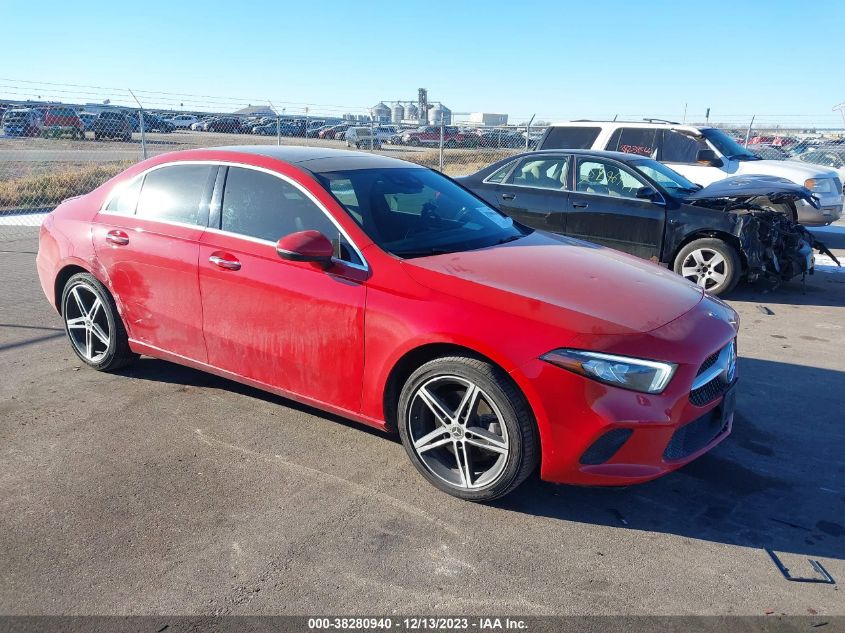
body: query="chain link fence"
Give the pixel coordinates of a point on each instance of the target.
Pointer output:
(53, 148)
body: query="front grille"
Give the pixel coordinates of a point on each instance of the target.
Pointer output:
(708, 362)
(696, 435)
(708, 393)
(711, 390)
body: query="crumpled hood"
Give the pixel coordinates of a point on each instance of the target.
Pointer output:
(756, 185)
(579, 286)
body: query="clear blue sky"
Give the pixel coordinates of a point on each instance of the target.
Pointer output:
(780, 58)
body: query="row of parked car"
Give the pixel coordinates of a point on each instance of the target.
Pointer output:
(59, 121)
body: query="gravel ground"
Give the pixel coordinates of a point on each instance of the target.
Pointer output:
(165, 490)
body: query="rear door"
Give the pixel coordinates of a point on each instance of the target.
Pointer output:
(536, 192)
(147, 240)
(604, 209)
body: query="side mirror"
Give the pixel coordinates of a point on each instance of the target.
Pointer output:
(708, 157)
(648, 193)
(306, 246)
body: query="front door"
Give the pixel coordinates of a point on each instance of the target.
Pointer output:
(604, 208)
(147, 240)
(290, 325)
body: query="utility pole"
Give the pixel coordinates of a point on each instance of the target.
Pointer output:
(140, 124)
(278, 123)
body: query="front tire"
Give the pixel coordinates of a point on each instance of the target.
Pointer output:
(711, 264)
(93, 324)
(467, 428)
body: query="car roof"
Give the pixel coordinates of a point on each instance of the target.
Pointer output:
(642, 124)
(319, 159)
(598, 153)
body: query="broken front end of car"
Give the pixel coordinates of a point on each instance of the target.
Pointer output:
(772, 244)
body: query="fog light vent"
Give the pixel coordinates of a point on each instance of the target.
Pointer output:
(605, 447)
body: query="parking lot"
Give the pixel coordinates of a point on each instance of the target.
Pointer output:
(163, 489)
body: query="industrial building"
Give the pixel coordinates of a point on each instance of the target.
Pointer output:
(419, 112)
(487, 118)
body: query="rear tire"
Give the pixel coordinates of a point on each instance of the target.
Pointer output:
(482, 443)
(710, 263)
(93, 324)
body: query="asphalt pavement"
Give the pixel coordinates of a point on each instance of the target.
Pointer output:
(161, 489)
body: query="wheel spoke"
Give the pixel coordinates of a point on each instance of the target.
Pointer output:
(77, 323)
(98, 332)
(698, 256)
(424, 443)
(464, 463)
(689, 271)
(94, 307)
(718, 277)
(89, 343)
(702, 281)
(76, 297)
(484, 439)
(435, 406)
(467, 406)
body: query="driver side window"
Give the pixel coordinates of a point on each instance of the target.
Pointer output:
(606, 179)
(259, 205)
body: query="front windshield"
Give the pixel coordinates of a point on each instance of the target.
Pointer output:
(667, 178)
(415, 212)
(727, 146)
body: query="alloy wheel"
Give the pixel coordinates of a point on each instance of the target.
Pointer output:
(87, 323)
(705, 267)
(458, 432)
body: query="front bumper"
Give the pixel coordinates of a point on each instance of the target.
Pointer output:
(830, 212)
(596, 434)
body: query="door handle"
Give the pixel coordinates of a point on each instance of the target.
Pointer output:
(580, 205)
(118, 238)
(508, 196)
(226, 263)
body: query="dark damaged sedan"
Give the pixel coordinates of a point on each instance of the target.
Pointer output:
(714, 236)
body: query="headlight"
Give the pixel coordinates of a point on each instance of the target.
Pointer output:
(819, 185)
(637, 374)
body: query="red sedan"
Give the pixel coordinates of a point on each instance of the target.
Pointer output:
(386, 293)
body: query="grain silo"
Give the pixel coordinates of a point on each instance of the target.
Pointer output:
(381, 113)
(397, 113)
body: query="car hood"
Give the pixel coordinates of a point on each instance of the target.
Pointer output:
(579, 286)
(756, 185)
(794, 170)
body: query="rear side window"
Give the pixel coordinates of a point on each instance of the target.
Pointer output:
(176, 193)
(635, 140)
(125, 199)
(499, 175)
(541, 173)
(257, 204)
(575, 137)
(680, 148)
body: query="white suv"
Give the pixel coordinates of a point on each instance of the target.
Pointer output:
(183, 121)
(702, 154)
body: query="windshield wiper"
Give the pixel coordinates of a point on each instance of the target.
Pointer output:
(509, 238)
(421, 253)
